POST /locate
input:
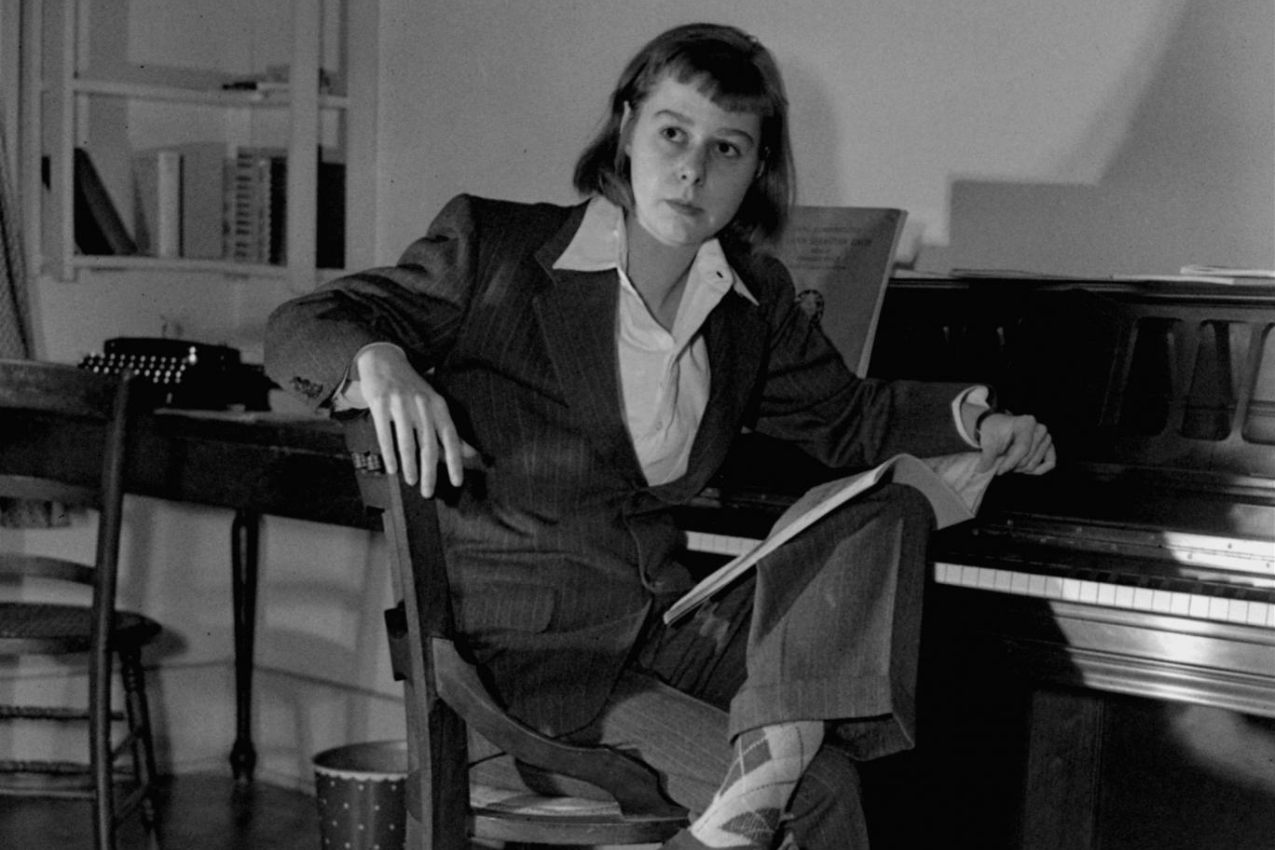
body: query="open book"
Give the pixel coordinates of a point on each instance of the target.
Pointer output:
(953, 484)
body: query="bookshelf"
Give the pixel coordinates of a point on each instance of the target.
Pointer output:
(150, 120)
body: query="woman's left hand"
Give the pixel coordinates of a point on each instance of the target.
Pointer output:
(1015, 444)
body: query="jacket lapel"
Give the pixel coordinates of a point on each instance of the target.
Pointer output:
(735, 335)
(577, 314)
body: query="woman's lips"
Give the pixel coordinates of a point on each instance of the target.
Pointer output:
(684, 207)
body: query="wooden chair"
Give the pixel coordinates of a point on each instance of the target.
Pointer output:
(93, 629)
(444, 695)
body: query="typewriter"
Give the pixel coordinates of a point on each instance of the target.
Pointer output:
(180, 373)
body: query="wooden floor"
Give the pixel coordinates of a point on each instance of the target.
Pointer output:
(198, 812)
(1174, 778)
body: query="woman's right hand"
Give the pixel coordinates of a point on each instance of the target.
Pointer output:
(405, 407)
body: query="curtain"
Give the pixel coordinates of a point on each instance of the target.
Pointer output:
(15, 313)
(15, 330)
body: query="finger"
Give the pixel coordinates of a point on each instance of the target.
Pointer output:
(1015, 450)
(426, 446)
(1049, 461)
(405, 435)
(453, 456)
(469, 457)
(384, 439)
(1040, 446)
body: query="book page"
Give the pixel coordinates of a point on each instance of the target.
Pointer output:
(935, 478)
(840, 260)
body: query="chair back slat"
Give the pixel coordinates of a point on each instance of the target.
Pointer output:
(49, 388)
(43, 566)
(49, 490)
(65, 391)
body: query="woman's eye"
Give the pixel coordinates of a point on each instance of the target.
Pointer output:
(673, 134)
(728, 150)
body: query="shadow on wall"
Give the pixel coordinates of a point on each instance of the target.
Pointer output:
(1193, 180)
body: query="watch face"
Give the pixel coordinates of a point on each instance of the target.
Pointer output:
(811, 301)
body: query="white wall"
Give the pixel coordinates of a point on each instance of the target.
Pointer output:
(1083, 137)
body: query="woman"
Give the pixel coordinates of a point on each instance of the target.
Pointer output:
(577, 372)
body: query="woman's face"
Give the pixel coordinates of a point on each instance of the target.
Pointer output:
(690, 163)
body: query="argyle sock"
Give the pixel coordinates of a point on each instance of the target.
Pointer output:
(768, 763)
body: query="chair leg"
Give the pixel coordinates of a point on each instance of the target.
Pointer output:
(100, 752)
(139, 722)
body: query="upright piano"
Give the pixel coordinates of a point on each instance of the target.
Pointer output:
(1143, 565)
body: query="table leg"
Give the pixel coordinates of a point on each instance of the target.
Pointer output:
(244, 534)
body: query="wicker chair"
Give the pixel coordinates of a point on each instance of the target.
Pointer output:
(95, 628)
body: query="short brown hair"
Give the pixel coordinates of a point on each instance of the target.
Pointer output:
(737, 73)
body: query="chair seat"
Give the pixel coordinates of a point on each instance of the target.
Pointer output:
(508, 815)
(492, 799)
(45, 627)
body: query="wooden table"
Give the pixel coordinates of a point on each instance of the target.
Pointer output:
(251, 463)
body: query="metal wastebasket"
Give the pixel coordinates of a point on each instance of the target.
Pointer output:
(359, 788)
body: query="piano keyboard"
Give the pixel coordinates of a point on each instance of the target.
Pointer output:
(719, 544)
(1109, 595)
(1178, 603)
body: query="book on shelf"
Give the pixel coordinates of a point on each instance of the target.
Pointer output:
(257, 209)
(840, 259)
(203, 164)
(953, 484)
(256, 200)
(157, 203)
(177, 200)
(98, 227)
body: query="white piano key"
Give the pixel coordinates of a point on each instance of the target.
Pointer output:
(1089, 592)
(1037, 584)
(1160, 601)
(1199, 606)
(1217, 608)
(1020, 583)
(986, 578)
(1003, 580)
(1237, 611)
(969, 576)
(1107, 595)
(1071, 589)
(1258, 612)
(1053, 587)
(1180, 603)
(1124, 596)
(1142, 599)
(719, 544)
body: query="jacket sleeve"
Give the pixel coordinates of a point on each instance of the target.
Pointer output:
(811, 398)
(417, 304)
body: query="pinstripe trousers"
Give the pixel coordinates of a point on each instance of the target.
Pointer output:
(826, 628)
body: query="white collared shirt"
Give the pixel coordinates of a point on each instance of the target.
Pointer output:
(664, 375)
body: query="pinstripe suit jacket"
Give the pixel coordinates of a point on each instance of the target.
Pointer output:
(559, 550)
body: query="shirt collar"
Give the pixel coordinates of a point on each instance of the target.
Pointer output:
(600, 245)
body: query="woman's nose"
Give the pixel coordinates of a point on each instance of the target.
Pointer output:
(691, 168)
